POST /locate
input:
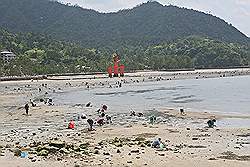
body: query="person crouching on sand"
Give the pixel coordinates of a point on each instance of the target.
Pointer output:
(182, 112)
(71, 125)
(152, 119)
(156, 143)
(32, 103)
(108, 119)
(91, 123)
(100, 121)
(211, 123)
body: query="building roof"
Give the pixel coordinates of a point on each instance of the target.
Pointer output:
(6, 52)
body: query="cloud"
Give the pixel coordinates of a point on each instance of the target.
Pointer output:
(236, 12)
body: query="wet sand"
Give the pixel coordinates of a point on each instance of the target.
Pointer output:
(124, 142)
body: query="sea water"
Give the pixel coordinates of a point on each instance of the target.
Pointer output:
(226, 95)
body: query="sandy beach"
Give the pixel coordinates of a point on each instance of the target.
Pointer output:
(44, 137)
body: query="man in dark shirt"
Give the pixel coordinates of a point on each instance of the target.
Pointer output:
(26, 108)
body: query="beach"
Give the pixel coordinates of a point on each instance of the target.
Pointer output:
(44, 136)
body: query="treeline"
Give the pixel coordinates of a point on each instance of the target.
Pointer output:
(38, 54)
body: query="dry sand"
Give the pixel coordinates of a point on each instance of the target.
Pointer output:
(46, 129)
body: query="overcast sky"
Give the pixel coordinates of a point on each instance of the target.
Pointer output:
(236, 12)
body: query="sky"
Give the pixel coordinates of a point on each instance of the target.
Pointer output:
(236, 12)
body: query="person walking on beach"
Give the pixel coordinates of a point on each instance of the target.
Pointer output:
(26, 108)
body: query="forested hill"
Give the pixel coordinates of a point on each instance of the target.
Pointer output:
(148, 24)
(39, 54)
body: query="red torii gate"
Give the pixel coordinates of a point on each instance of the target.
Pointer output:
(117, 68)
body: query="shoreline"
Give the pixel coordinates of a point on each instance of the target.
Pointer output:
(211, 73)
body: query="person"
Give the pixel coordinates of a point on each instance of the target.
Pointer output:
(71, 124)
(156, 143)
(108, 119)
(152, 119)
(100, 121)
(50, 102)
(91, 123)
(104, 107)
(182, 111)
(140, 114)
(132, 113)
(211, 123)
(32, 103)
(26, 108)
(83, 116)
(103, 114)
(98, 111)
(89, 104)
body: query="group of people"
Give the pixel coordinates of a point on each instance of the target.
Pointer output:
(101, 120)
(157, 143)
(27, 107)
(33, 104)
(139, 114)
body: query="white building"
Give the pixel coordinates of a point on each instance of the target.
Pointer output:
(7, 56)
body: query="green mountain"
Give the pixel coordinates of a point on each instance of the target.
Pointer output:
(148, 24)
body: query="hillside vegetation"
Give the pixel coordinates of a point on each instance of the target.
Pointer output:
(39, 54)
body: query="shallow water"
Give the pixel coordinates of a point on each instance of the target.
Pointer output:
(227, 95)
(234, 122)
